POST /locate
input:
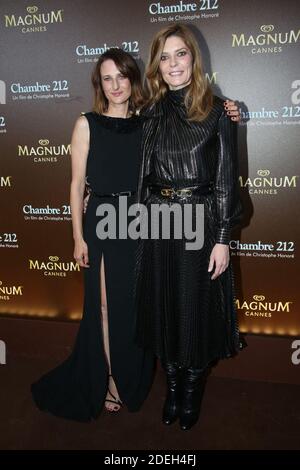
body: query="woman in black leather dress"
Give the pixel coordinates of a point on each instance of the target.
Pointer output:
(185, 299)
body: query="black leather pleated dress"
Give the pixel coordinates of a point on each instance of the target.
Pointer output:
(76, 389)
(182, 315)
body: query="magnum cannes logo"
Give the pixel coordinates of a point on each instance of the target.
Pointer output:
(268, 38)
(260, 307)
(53, 266)
(263, 183)
(44, 152)
(7, 291)
(34, 21)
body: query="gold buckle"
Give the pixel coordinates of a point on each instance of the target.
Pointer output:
(184, 192)
(170, 192)
(167, 192)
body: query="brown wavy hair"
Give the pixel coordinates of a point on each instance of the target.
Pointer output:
(199, 97)
(129, 68)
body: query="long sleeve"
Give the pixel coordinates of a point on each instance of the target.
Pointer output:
(150, 130)
(146, 149)
(229, 208)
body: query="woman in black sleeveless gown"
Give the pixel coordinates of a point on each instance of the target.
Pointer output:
(78, 388)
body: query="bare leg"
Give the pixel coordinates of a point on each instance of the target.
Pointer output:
(104, 316)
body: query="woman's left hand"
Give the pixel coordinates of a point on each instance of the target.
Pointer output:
(232, 110)
(219, 259)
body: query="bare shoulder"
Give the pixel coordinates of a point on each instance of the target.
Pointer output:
(81, 127)
(82, 122)
(81, 132)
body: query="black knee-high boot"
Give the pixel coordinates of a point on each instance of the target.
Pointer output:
(194, 381)
(171, 407)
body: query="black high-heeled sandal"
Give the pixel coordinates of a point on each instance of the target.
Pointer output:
(114, 400)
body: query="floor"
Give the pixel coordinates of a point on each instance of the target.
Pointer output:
(236, 413)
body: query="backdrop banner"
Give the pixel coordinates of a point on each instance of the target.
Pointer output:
(48, 50)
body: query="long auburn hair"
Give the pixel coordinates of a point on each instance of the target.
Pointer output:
(199, 97)
(129, 68)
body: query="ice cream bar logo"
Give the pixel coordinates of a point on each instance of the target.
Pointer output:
(33, 21)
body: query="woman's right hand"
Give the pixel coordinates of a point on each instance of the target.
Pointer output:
(81, 253)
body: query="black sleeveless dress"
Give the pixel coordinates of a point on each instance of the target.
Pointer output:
(182, 315)
(76, 389)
